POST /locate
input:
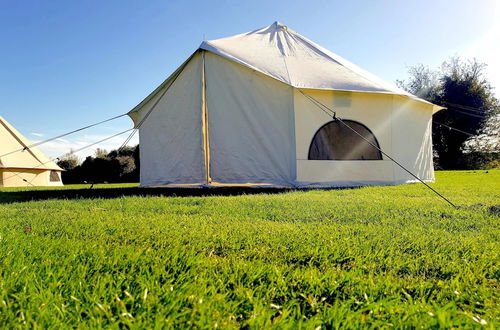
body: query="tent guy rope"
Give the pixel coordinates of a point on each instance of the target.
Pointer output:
(72, 152)
(453, 128)
(153, 107)
(62, 135)
(127, 140)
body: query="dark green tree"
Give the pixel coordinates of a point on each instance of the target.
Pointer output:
(462, 87)
(116, 166)
(68, 162)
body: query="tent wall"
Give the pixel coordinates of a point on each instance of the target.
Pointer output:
(372, 110)
(14, 178)
(412, 139)
(232, 114)
(171, 136)
(260, 130)
(251, 125)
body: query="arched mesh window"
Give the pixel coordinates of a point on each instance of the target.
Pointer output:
(335, 141)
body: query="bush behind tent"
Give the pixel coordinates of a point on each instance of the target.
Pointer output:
(117, 166)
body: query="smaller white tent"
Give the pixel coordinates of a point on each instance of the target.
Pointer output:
(241, 110)
(29, 167)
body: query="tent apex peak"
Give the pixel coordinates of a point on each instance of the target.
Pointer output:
(280, 25)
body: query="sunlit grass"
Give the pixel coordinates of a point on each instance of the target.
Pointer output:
(71, 186)
(376, 256)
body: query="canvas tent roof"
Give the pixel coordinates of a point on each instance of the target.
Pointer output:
(32, 158)
(283, 54)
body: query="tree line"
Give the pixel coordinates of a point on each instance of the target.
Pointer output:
(466, 135)
(118, 166)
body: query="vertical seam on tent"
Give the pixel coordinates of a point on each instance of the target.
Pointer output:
(294, 133)
(295, 174)
(204, 118)
(287, 72)
(392, 137)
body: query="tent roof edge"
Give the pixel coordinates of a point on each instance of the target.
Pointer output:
(134, 113)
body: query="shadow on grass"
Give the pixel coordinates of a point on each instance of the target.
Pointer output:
(107, 193)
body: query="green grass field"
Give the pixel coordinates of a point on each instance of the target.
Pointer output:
(372, 257)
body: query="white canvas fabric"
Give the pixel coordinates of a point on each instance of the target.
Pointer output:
(285, 55)
(411, 127)
(235, 113)
(171, 137)
(30, 165)
(250, 125)
(400, 125)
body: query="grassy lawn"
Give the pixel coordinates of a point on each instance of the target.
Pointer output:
(374, 257)
(72, 186)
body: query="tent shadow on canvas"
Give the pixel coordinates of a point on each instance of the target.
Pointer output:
(110, 193)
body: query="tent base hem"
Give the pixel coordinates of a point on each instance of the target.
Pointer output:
(297, 185)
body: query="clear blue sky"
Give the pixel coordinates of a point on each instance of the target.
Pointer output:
(64, 64)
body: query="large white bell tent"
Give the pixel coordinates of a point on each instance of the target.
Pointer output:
(22, 165)
(258, 109)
